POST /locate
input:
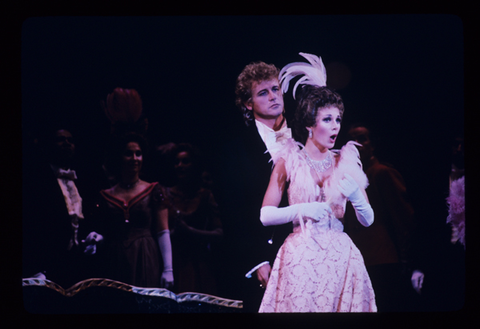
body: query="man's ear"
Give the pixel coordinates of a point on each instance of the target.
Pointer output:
(248, 105)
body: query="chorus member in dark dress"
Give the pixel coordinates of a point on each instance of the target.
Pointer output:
(385, 244)
(196, 229)
(52, 210)
(133, 220)
(246, 167)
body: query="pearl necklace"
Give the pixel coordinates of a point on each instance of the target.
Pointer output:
(319, 166)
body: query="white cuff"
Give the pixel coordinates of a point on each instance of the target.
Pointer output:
(249, 274)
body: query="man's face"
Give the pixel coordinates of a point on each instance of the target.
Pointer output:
(64, 147)
(361, 135)
(266, 101)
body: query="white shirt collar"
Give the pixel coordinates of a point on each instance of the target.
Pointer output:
(62, 173)
(265, 130)
(273, 139)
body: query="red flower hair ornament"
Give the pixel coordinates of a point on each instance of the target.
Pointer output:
(124, 109)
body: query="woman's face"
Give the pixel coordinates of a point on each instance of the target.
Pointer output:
(132, 157)
(183, 164)
(327, 127)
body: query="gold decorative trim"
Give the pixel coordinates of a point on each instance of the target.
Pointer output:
(204, 298)
(157, 292)
(79, 286)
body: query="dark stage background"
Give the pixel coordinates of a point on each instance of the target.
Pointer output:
(402, 74)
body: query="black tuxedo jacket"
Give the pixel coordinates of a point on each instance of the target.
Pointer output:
(46, 227)
(245, 174)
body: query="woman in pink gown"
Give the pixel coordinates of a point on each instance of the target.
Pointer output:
(318, 268)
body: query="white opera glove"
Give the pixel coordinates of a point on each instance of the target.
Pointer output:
(350, 189)
(417, 280)
(91, 241)
(271, 215)
(163, 239)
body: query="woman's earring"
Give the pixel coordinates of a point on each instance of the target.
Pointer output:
(310, 134)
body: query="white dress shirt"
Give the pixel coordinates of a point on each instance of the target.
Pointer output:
(73, 201)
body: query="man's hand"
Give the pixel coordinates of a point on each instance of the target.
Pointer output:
(91, 242)
(417, 280)
(263, 273)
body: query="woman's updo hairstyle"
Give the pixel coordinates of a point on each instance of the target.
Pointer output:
(124, 110)
(313, 99)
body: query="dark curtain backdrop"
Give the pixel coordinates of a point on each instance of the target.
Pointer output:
(401, 74)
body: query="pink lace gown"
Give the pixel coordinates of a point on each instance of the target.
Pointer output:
(318, 268)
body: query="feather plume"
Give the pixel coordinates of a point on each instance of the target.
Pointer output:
(349, 163)
(313, 74)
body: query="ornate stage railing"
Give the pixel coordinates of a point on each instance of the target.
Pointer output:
(98, 295)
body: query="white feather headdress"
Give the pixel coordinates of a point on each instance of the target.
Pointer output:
(314, 73)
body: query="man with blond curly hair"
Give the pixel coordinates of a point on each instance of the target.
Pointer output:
(246, 169)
